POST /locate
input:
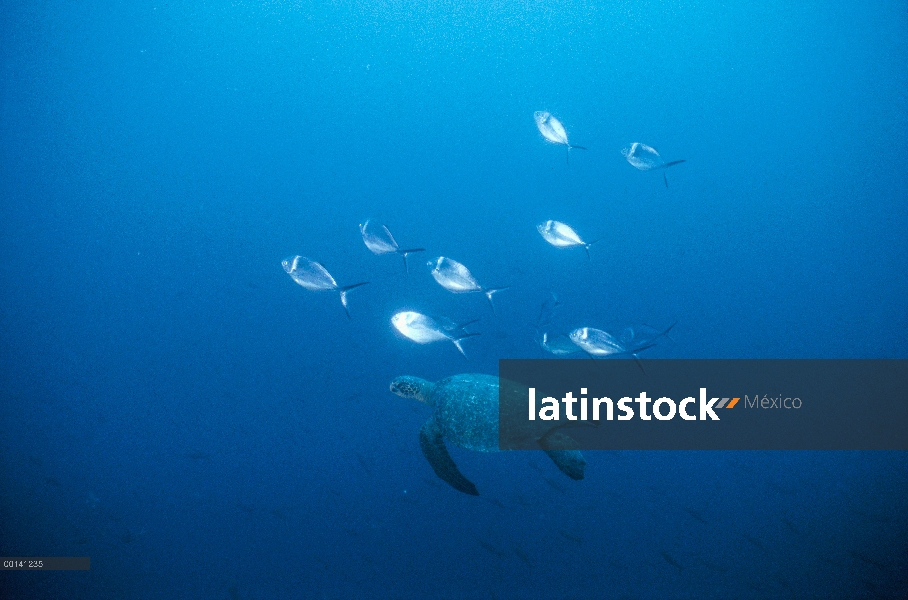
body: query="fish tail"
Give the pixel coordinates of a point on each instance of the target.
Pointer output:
(459, 339)
(343, 295)
(665, 333)
(587, 247)
(406, 252)
(661, 334)
(489, 293)
(642, 348)
(667, 165)
(465, 323)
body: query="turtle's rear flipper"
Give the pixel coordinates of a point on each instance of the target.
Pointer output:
(570, 462)
(433, 447)
(558, 446)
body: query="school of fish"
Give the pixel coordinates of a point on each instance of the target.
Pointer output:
(456, 278)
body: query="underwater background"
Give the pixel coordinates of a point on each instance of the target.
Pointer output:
(175, 407)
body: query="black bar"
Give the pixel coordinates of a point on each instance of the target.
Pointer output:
(45, 563)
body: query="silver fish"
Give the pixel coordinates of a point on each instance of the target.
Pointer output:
(314, 277)
(378, 240)
(562, 235)
(646, 158)
(597, 342)
(559, 345)
(547, 311)
(552, 129)
(456, 278)
(423, 329)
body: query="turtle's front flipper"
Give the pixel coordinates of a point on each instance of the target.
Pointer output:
(433, 447)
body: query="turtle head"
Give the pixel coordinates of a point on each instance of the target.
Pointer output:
(407, 386)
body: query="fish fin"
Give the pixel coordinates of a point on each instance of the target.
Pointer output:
(644, 347)
(587, 247)
(545, 317)
(347, 288)
(432, 444)
(489, 292)
(344, 304)
(405, 253)
(639, 362)
(579, 147)
(665, 333)
(343, 294)
(459, 339)
(470, 322)
(662, 334)
(667, 165)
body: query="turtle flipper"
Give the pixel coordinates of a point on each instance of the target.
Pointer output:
(559, 448)
(570, 462)
(433, 447)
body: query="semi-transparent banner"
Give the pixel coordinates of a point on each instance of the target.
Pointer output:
(703, 404)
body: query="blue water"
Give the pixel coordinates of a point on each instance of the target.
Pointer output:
(175, 407)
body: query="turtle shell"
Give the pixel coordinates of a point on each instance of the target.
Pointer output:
(466, 411)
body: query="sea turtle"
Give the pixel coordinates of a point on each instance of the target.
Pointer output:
(465, 412)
